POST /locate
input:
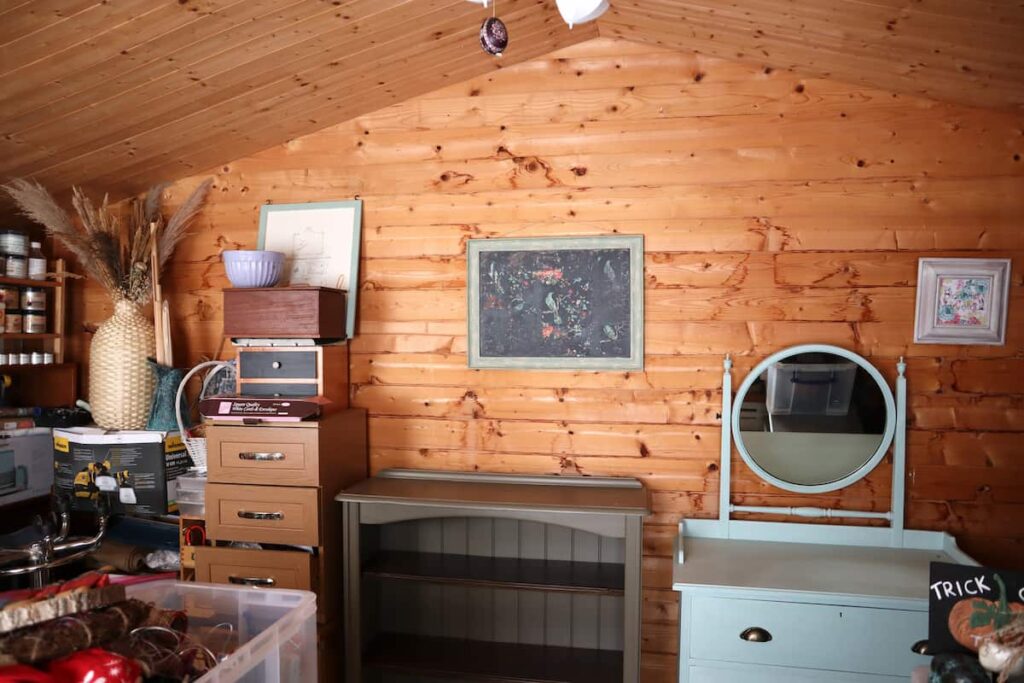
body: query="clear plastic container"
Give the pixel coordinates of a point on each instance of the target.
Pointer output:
(191, 496)
(276, 628)
(192, 481)
(810, 388)
(192, 510)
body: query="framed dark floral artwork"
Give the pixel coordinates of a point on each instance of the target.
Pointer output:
(562, 303)
(961, 301)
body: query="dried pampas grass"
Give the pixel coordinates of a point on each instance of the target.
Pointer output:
(114, 251)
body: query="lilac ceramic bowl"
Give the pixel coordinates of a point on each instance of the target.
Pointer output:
(255, 268)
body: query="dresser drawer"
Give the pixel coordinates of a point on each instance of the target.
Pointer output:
(283, 456)
(295, 371)
(285, 389)
(262, 514)
(277, 364)
(261, 568)
(717, 673)
(813, 636)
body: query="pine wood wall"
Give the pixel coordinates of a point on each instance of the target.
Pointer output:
(776, 210)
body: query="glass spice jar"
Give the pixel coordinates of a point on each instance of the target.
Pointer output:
(13, 242)
(34, 322)
(16, 266)
(33, 299)
(13, 322)
(36, 262)
(11, 296)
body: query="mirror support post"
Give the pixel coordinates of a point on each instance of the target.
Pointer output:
(899, 456)
(725, 466)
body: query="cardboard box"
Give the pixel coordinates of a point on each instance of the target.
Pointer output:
(141, 466)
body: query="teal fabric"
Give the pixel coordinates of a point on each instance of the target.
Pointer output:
(161, 413)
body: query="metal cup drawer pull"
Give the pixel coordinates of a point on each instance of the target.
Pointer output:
(245, 514)
(755, 634)
(251, 581)
(260, 457)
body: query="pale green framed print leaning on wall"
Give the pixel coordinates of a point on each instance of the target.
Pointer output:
(320, 241)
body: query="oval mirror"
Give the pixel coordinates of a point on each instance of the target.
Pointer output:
(813, 418)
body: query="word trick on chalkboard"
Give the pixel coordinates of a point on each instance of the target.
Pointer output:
(967, 603)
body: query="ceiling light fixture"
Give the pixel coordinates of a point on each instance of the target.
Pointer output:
(581, 11)
(572, 11)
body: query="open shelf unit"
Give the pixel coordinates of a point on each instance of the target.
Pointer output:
(492, 578)
(60, 387)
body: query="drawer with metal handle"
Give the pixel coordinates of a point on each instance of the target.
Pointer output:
(818, 636)
(287, 456)
(262, 514)
(258, 568)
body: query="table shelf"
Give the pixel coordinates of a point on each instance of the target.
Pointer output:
(603, 578)
(489, 661)
(25, 282)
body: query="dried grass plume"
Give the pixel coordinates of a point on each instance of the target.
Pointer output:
(112, 247)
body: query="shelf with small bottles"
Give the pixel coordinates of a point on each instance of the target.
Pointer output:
(37, 342)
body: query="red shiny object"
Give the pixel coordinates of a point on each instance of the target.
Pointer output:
(95, 666)
(19, 673)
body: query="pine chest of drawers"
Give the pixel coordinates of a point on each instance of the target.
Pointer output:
(275, 485)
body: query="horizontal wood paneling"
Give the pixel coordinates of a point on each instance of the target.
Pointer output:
(770, 234)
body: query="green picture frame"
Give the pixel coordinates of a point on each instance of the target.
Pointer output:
(559, 309)
(321, 243)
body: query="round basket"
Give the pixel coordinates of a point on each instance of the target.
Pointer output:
(196, 446)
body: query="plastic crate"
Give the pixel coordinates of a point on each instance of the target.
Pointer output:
(810, 388)
(192, 481)
(273, 630)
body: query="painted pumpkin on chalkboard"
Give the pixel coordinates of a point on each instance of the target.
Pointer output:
(973, 618)
(493, 36)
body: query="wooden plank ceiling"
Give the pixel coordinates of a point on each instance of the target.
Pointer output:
(963, 51)
(119, 94)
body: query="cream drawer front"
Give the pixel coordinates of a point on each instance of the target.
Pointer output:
(701, 673)
(808, 636)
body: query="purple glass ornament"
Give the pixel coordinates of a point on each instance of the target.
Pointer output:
(493, 36)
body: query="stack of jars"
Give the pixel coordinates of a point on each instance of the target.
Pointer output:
(22, 309)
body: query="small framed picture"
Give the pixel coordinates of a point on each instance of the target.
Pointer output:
(320, 241)
(961, 301)
(561, 303)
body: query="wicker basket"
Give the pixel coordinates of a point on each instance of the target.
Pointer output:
(121, 383)
(196, 446)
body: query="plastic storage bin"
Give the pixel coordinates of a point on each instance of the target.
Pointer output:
(810, 388)
(275, 629)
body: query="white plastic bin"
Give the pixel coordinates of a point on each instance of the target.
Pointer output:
(276, 628)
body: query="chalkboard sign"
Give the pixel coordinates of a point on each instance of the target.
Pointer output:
(967, 603)
(570, 303)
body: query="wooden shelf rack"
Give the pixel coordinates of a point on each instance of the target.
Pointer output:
(493, 662)
(602, 578)
(489, 577)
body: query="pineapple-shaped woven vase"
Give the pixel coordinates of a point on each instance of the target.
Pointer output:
(121, 383)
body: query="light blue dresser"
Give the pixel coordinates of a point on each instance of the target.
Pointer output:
(781, 602)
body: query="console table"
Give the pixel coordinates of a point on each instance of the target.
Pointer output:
(492, 577)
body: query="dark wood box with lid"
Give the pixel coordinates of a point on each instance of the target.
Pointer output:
(298, 312)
